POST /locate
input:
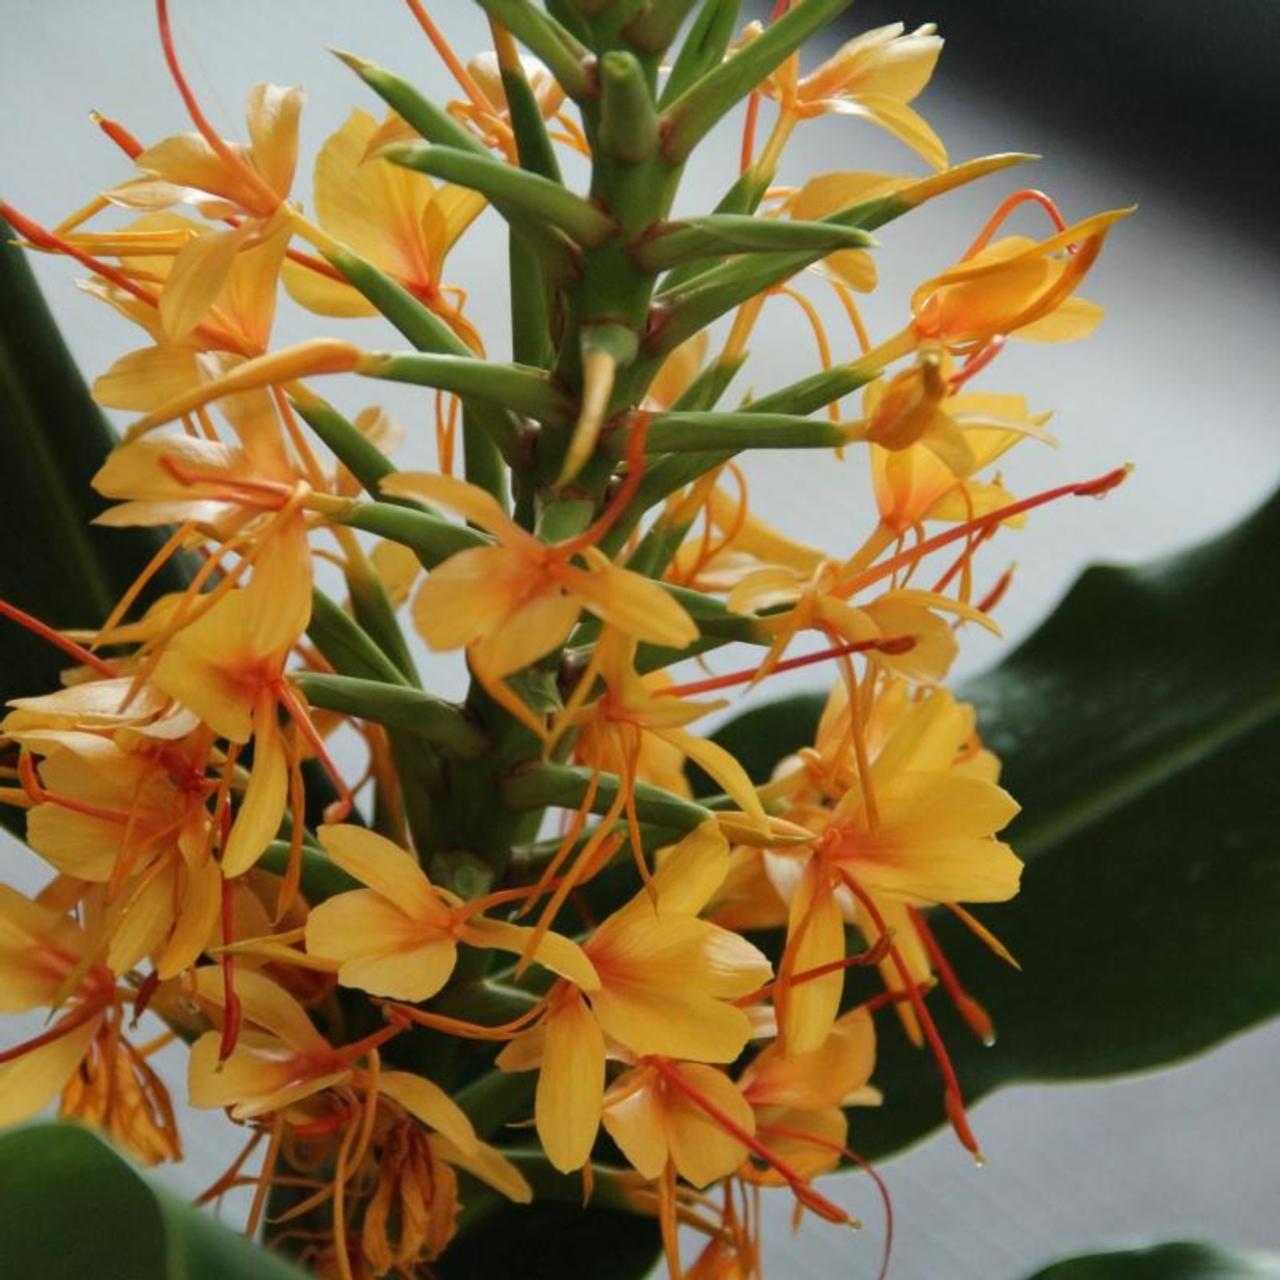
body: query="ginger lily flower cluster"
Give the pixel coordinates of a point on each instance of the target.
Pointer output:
(553, 935)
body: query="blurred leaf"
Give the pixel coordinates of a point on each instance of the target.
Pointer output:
(1139, 728)
(1166, 1262)
(71, 1208)
(56, 565)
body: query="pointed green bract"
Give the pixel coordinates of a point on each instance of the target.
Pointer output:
(413, 710)
(692, 115)
(528, 194)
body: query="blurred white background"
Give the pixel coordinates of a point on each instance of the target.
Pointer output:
(1179, 381)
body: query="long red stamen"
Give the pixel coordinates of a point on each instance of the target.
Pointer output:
(953, 1098)
(803, 1192)
(118, 134)
(52, 243)
(996, 594)
(1095, 488)
(77, 1018)
(873, 955)
(55, 638)
(39, 794)
(749, 131)
(885, 644)
(977, 1018)
(450, 59)
(801, 1135)
(1005, 208)
(216, 143)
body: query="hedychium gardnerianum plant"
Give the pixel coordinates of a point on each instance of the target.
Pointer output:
(371, 992)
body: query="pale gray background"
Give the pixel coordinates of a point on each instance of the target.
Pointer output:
(1180, 381)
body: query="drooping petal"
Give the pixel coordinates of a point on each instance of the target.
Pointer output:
(426, 1101)
(701, 1149)
(571, 1084)
(263, 806)
(490, 1166)
(199, 272)
(554, 951)
(815, 937)
(633, 1117)
(29, 1083)
(262, 1002)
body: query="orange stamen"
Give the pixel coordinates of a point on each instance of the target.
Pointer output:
(1094, 488)
(118, 134)
(55, 638)
(978, 1019)
(953, 1098)
(785, 1131)
(206, 130)
(1005, 208)
(77, 1018)
(975, 364)
(885, 644)
(807, 1196)
(450, 59)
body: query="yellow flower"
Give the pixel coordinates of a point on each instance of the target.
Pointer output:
(46, 959)
(656, 1123)
(253, 179)
(1017, 287)
(874, 76)
(399, 936)
(228, 667)
(666, 980)
(513, 603)
(798, 1098)
(395, 218)
(634, 712)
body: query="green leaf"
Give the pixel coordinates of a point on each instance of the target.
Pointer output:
(1138, 728)
(1183, 1261)
(56, 565)
(70, 1207)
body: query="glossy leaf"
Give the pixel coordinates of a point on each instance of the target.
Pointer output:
(1139, 728)
(56, 565)
(1181, 1261)
(70, 1207)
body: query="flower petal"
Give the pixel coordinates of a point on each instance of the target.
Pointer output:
(429, 1103)
(571, 1085)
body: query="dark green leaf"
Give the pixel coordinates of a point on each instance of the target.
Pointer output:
(70, 1208)
(1167, 1262)
(56, 565)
